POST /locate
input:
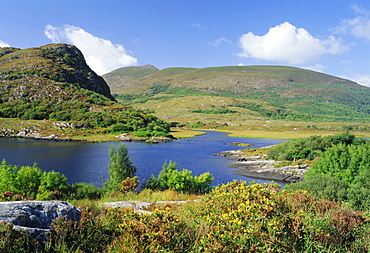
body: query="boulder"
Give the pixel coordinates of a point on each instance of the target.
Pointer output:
(36, 217)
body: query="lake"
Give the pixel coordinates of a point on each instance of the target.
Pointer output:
(88, 162)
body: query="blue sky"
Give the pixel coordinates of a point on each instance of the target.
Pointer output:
(331, 36)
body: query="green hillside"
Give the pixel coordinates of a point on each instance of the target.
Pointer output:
(123, 75)
(245, 92)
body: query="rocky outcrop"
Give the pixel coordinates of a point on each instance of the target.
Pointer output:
(80, 72)
(36, 217)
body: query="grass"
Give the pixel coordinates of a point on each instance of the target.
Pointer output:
(286, 135)
(185, 133)
(146, 195)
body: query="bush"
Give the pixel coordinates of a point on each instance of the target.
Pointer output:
(142, 133)
(118, 128)
(31, 182)
(322, 186)
(182, 181)
(235, 217)
(344, 162)
(342, 173)
(84, 191)
(311, 147)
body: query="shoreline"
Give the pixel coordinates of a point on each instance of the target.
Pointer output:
(258, 167)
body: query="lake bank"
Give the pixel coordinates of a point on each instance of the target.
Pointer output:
(258, 167)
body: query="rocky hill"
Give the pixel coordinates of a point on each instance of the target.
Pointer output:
(54, 82)
(245, 92)
(35, 72)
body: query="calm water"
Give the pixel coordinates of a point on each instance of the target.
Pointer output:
(88, 162)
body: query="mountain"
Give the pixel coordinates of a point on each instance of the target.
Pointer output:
(54, 82)
(246, 92)
(121, 76)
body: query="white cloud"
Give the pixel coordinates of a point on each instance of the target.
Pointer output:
(359, 10)
(358, 27)
(317, 67)
(363, 79)
(100, 54)
(218, 41)
(3, 44)
(199, 26)
(240, 64)
(286, 43)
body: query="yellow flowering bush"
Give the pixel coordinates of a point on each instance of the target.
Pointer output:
(238, 217)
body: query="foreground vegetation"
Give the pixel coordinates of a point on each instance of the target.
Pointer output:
(235, 217)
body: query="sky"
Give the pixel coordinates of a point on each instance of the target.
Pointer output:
(329, 36)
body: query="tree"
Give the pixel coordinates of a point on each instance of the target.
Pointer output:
(120, 167)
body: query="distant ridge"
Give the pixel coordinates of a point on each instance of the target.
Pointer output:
(272, 92)
(120, 76)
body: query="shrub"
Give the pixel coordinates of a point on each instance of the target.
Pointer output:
(118, 128)
(311, 147)
(142, 133)
(31, 182)
(342, 173)
(237, 217)
(344, 162)
(53, 185)
(129, 184)
(322, 186)
(84, 191)
(182, 181)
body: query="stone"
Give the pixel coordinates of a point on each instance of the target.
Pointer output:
(36, 217)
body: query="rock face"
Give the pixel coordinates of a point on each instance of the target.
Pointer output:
(81, 74)
(35, 217)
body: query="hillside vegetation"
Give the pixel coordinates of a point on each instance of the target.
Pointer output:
(53, 82)
(234, 95)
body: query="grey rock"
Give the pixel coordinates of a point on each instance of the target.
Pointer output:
(36, 217)
(138, 206)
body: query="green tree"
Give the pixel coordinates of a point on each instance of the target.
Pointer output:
(120, 167)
